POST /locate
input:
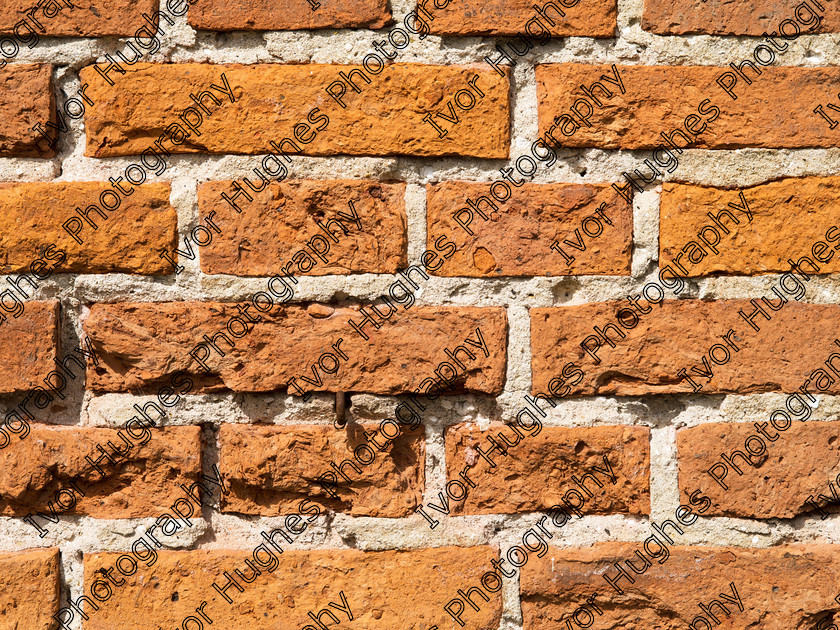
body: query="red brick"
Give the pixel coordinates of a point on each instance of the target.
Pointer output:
(272, 470)
(721, 17)
(386, 118)
(90, 18)
(536, 474)
(250, 15)
(28, 345)
(667, 596)
(28, 100)
(677, 335)
(271, 231)
(512, 17)
(658, 99)
(147, 343)
(29, 589)
(384, 589)
(517, 240)
(789, 217)
(782, 480)
(145, 483)
(128, 241)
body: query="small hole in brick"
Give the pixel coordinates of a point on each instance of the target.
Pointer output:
(174, 597)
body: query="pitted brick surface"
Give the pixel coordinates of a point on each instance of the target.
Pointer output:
(271, 470)
(144, 344)
(146, 482)
(295, 216)
(384, 590)
(129, 116)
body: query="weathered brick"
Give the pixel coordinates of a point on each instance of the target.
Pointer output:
(384, 589)
(720, 17)
(519, 17)
(88, 18)
(144, 483)
(789, 219)
(29, 589)
(147, 343)
(247, 15)
(128, 241)
(386, 118)
(273, 470)
(676, 335)
(28, 345)
(782, 480)
(536, 474)
(517, 239)
(668, 594)
(658, 99)
(28, 100)
(283, 220)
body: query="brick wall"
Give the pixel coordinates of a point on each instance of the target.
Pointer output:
(533, 326)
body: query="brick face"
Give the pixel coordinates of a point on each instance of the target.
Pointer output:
(658, 99)
(677, 335)
(290, 217)
(29, 346)
(400, 357)
(517, 239)
(519, 17)
(29, 589)
(85, 18)
(384, 119)
(554, 586)
(144, 483)
(28, 100)
(271, 470)
(781, 481)
(789, 218)
(719, 17)
(247, 15)
(538, 472)
(127, 241)
(382, 589)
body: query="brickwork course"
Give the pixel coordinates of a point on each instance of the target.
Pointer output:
(443, 314)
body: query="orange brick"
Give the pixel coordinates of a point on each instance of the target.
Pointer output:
(377, 587)
(538, 472)
(677, 335)
(386, 118)
(27, 101)
(144, 483)
(401, 356)
(271, 470)
(721, 17)
(517, 240)
(282, 224)
(30, 587)
(673, 587)
(88, 18)
(28, 344)
(250, 15)
(662, 99)
(128, 240)
(519, 17)
(780, 482)
(789, 217)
